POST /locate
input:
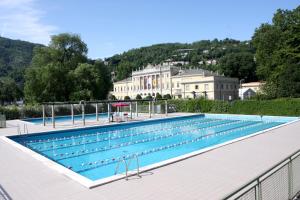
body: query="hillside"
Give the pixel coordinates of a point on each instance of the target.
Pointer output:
(204, 53)
(15, 56)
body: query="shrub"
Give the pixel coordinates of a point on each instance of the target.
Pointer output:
(158, 96)
(167, 96)
(126, 98)
(138, 97)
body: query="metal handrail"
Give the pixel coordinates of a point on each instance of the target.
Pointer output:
(126, 167)
(263, 176)
(137, 164)
(25, 129)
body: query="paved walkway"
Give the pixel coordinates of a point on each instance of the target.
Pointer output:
(210, 175)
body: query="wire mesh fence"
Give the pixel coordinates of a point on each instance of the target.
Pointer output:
(281, 182)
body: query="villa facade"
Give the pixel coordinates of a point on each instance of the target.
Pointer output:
(179, 83)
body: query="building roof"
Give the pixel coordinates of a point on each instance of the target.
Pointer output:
(244, 90)
(195, 71)
(252, 84)
(129, 79)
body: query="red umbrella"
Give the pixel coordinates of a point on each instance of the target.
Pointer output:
(120, 104)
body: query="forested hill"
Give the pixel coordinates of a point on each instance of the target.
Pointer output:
(201, 53)
(15, 56)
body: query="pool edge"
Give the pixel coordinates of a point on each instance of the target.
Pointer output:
(92, 184)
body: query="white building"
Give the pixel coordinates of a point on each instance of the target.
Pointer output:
(179, 83)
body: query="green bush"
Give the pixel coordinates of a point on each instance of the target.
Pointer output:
(284, 107)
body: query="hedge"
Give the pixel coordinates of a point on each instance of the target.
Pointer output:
(279, 107)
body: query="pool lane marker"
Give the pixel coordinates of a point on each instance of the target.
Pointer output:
(235, 129)
(112, 131)
(90, 141)
(96, 150)
(108, 161)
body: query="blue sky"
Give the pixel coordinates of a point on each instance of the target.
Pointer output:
(114, 26)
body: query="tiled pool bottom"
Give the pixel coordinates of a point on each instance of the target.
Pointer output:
(95, 152)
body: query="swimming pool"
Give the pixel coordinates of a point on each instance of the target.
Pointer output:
(65, 118)
(95, 152)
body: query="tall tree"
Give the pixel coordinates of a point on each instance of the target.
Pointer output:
(9, 91)
(61, 72)
(240, 65)
(278, 53)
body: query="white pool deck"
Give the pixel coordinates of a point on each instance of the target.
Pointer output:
(211, 175)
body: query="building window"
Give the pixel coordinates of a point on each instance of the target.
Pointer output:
(226, 86)
(187, 87)
(177, 84)
(206, 87)
(196, 87)
(222, 86)
(217, 86)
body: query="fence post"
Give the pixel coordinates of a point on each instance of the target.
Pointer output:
(290, 178)
(149, 109)
(259, 192)
(130, 107)
(83, 113)
(72, 113)
(44, 121)
(53, 116)
(136, 109)
(108, 112)
(166, 107)
(97, 117)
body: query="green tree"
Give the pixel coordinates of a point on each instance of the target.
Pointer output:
(62, 72)
(240, 65)
(89, 83)
(9, 91)
(278, 54)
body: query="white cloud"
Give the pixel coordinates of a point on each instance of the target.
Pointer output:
(21, 19)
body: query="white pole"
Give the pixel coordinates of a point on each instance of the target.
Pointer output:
(136, 109)
(166, 107)
(108, 111)
(44, 121)
(53, 116)
(130, 107)
(153, 108)
(72, 113)
(149, 109)
(83, 113)
(97, 117)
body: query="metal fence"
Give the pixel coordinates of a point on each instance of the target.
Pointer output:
(4, 195)
(281, 182)
(2, 121)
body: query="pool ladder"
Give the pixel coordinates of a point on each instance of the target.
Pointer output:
(127, 165)
(25, 129)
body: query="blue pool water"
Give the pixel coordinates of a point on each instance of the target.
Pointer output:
(65, 118)
(94, 152)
